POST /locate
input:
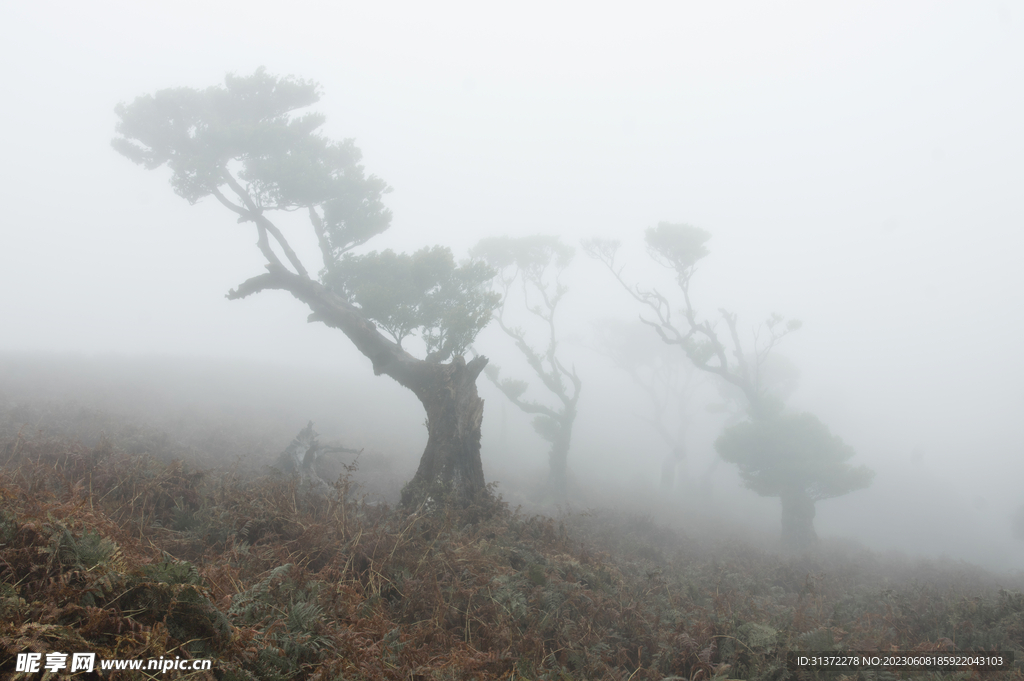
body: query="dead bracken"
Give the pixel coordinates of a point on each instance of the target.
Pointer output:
(135, 555)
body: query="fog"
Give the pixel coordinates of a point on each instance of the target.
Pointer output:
(859, 168)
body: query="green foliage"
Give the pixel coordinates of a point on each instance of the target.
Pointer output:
(173, 593)
(449, 304)
(287, 618)
(250, 124)
(757, 635)
(547, 427)
(510, 386)
(786, 453)
(535, 573)
(247, 604)
(84, 552)
(8, 526)
(171, 571)
(677, 246)
(699, 350)
(531, 254)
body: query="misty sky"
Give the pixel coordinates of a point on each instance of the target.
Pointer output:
(859, 165)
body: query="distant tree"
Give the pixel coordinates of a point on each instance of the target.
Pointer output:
(244, 144)
(665, 378)
(679, 248)
(792, 457)
(535, 264)
(796, 458)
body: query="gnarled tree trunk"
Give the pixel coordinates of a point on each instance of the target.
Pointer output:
(558, 470)
(450, 470)
(450, 467)
(558, 457)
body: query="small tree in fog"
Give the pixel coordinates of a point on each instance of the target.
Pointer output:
(533, 267)
(243, 144)
(814, 463)
(796, 458)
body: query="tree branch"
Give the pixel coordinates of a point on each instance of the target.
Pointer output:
(261, 233)
(243, 213)
(669, 332)
(321, 236)
(387, 356)
(442, 353)
(741, 361)
(255, 213)
(292, 257)
(527, 406)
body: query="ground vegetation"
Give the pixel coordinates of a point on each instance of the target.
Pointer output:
(126, 547)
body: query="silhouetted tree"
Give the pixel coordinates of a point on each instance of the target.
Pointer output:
(244, 144)
(535, 264)
(679, 248)
(813, 467)
(796, 458)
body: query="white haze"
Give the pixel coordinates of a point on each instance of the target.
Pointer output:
(860, 166)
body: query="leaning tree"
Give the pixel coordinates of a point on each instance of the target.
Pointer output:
(792, 457)
(534, 265)
(245, 145)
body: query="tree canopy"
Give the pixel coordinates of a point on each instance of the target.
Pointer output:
(247, 131)
(792, 452)
(424, 291)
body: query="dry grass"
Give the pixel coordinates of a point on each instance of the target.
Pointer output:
(130, 552)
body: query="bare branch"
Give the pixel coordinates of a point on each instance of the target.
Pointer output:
(330, 309)
(699, 337)
(741, 360)
(321, 236)
(515, 396)
(242, 212)
(255, 213)
(292, 257)
(246, 215)
(261, 282)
